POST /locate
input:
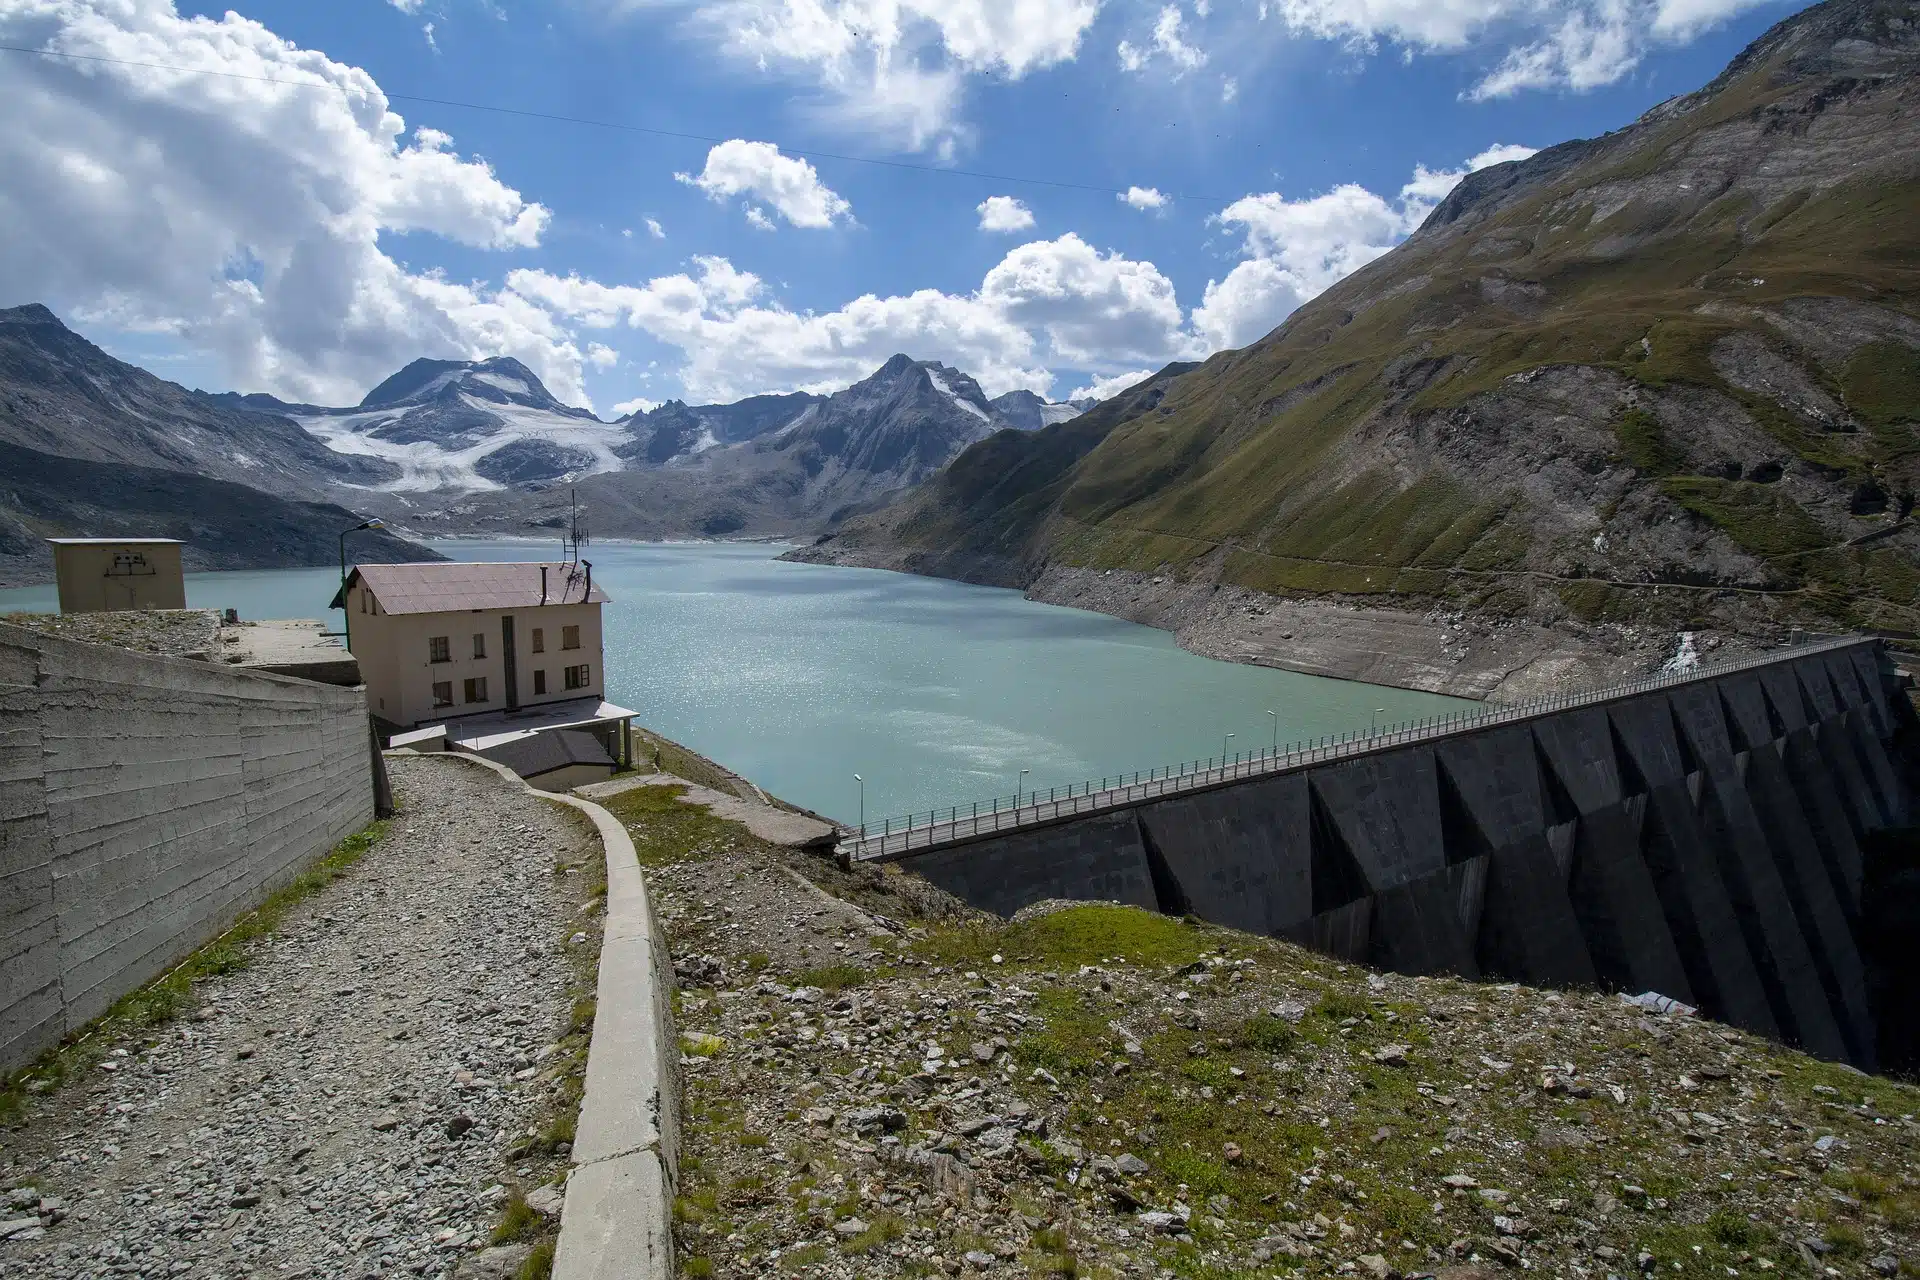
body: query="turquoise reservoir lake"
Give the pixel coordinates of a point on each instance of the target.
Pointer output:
(937, 693)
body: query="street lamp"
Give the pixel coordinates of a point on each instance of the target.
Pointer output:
(375, 523)
(863, 804)
(1223, 751)
(1016, 788)
(1377, 713)
(1275, 718)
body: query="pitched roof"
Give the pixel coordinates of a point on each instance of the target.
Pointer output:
(443, 587)
(545, 752)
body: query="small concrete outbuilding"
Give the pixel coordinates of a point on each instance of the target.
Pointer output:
(557, 760)
(100, 575)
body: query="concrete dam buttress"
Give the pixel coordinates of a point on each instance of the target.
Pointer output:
(1702, 836)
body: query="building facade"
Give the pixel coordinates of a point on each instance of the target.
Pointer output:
(440, 642)
(98, 575)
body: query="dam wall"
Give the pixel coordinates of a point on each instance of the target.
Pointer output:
(1700, 837)
(146, 802)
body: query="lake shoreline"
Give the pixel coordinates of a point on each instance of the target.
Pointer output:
(1441, 650)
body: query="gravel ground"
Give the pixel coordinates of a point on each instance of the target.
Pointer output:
(348, 1103)
(171, 632)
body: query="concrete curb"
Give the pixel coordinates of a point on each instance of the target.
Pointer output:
(618, 1217)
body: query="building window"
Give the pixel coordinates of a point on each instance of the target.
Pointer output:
(443, 693)
(479, 644)
(539, 680)
(570, 637)
(439, 649)
(477, 689)
(539, 640)
(579, 677)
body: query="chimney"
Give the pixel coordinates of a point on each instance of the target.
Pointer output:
(543, 584)
(588, 594)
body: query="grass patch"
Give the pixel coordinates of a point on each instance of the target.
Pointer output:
(171, 995)
(1760, 520)
(833, 978)
(539, 1263)
(666, 830)
(884, 1229)
(807, 1255)
(1646, 447)
(1077, 935)
(518, 1221)
(664, 755)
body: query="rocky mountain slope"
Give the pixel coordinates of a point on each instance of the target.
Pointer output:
(1024, 411)
(1666, 379)
(225, 525)
(61, 395)
(93, 447)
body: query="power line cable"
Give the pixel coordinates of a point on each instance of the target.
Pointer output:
(619, 126)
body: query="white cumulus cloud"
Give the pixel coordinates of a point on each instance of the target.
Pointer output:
(1108, 388)
(1169, 41)
(1550, 44)
(655, 230)
(242, 216)
(789, 184)
(639, 404)
(1296, 249)
(1142, 198)
(896, 69)
(1003, 213)
(1047, 302)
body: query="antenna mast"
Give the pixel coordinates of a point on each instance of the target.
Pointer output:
(576, 535)
(571, 541)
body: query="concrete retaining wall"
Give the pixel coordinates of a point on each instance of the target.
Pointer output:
(145, 803)
(1700, 839)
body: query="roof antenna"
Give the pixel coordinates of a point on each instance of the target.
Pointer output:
(576, 535)
(571, 541)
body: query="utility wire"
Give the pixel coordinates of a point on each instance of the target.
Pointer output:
(596, 124)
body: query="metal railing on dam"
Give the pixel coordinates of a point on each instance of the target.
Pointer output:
(962, 824)
(1708, 835)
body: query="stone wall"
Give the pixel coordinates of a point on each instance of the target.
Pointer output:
(1702, 840)
(146, 802)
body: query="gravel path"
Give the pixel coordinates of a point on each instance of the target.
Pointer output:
(345, 1105)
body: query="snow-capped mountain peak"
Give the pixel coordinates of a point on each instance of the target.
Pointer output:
(469, 425)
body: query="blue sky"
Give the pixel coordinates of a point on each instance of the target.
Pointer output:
(236, 231)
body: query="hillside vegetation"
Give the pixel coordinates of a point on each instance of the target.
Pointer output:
(1667, 376)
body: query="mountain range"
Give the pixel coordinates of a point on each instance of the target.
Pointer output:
(1663, 380)
(447, 446)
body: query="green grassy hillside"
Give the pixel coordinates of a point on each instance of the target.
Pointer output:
(1684, 356)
